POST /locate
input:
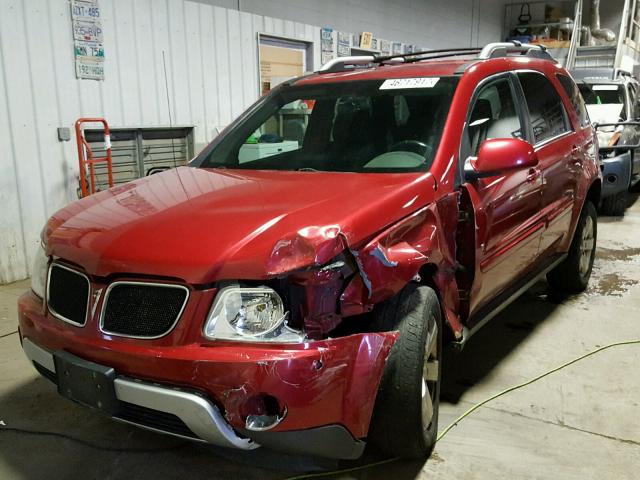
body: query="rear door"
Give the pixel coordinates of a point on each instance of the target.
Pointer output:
(508, 205)
(560, 154)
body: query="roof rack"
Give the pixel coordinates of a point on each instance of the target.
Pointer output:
(503, 49)
(345, 63)
(441, 52)
(492, 50)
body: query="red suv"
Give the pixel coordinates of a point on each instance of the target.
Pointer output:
(294, 286)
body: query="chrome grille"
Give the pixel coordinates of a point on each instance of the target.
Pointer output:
(68, 294)
(141, 309)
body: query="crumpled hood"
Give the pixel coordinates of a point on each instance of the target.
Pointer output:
(202, 225)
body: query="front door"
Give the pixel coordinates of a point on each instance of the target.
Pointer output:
(508, 220)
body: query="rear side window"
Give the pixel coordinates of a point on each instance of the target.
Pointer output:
(572, 91)
(548, 117)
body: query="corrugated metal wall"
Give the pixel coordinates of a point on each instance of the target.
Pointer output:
(212, 75)
(436, 23)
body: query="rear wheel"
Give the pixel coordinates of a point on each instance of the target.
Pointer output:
(405, 418)
(572, 275)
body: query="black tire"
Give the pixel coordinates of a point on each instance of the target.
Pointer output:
(397, 426)
(614, 205)
(571, 276)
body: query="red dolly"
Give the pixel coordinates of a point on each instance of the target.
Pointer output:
(85, 156)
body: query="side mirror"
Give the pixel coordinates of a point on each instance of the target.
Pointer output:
(500, 155)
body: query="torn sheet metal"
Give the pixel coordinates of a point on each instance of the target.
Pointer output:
(308, 246)
(394, 258)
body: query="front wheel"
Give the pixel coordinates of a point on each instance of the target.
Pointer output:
(572, 275)
(405, 417)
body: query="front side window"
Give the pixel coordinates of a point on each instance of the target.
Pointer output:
(547, 115)
(493, 115)
(572, 91)
(363, 126)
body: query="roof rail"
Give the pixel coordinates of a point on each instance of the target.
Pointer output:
(503, 49)
(342, 63)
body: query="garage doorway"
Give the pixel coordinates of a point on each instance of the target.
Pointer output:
(281, 59)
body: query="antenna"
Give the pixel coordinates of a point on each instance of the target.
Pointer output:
(166, 87)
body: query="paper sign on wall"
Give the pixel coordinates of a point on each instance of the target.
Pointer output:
(366, 39)
(327, 50)
(344, 44)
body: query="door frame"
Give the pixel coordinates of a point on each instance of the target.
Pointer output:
(283, 40)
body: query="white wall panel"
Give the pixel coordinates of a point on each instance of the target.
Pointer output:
(12, 247)
(194, 77)
(19, 95)
(222, 65)
(209, 71)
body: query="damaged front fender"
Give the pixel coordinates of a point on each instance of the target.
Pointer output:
(397, 255)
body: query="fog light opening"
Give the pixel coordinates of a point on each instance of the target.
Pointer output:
(266, 414)
(612, 178)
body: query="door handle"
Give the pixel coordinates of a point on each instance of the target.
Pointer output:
(576, 157)
(533, 175)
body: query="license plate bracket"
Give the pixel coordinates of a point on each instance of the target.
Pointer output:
(85, 382)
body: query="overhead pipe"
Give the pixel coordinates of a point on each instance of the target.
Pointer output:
(605, 34)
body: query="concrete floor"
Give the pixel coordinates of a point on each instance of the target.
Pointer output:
(582, 422)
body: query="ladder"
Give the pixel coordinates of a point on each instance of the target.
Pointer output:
(86, 159)
(602, 56)
(597, 57)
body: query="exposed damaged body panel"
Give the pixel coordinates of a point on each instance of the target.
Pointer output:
(397, 255)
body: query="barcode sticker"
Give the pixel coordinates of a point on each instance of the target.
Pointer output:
(399, 83)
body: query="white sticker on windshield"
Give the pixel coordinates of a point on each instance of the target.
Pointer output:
(604, 87)
(398, 83)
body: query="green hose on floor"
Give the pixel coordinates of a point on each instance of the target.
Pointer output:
(471, 410)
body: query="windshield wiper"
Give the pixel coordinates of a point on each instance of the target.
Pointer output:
(306, 169)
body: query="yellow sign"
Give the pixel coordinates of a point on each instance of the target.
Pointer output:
(366, 40)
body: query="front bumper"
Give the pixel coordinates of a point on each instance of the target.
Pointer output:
(327, 388)
(198, 414)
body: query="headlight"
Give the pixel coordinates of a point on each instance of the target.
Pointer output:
(39, 272)
(250, 314)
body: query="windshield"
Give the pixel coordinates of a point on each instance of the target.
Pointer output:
(605, 102)
(602, 94)
(363, 126)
